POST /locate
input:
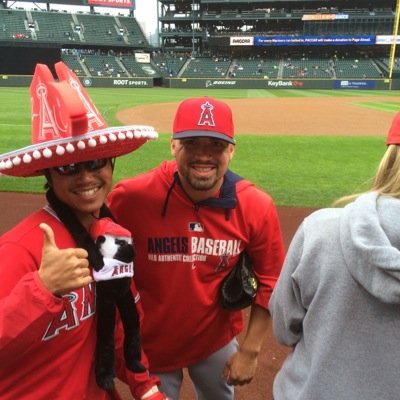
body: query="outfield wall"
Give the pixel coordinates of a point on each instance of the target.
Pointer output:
(378, 84)
(25, 80)
(194, 83)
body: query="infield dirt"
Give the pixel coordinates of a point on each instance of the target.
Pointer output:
(336, 116)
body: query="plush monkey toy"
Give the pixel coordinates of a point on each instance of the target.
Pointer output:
(113, 292)
(111, 252)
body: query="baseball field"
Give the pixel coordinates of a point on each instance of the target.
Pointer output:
(305, 147)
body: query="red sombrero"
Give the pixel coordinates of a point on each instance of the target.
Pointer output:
(67, 128)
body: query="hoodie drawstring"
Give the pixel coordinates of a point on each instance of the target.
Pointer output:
(227, 198)
(165, 205)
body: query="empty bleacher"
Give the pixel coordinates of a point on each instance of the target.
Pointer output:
(74, 63)
(52, 26)
(357, 68)
(14, 25)
(139, 69)
(133, 31)
(385, 62)
(255, 68)
(307, 68)
(103, 65)
(101, 29)
(169, 65)
(65, 28)
(207, 67)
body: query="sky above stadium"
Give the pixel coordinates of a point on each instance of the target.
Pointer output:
(146, 15)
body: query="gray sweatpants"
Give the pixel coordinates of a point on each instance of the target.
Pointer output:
(206, 376)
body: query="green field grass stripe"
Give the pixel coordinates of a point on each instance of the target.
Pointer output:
(387, 106)
(261, 93)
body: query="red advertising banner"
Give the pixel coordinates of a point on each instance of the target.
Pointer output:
(112, 3)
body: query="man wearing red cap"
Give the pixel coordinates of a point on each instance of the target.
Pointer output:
(336, 303)
(191, 220)
(48, 300)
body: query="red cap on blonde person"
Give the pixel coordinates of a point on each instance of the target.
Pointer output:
(394, 131)
(204, 117)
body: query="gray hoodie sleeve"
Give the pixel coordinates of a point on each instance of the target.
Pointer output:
(285, 305)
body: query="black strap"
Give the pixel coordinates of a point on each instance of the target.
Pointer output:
(77, 230)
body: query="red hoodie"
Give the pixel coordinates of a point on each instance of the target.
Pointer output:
(183, 256)
(47, 343)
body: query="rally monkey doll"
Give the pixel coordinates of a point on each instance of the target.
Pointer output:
(113, 291)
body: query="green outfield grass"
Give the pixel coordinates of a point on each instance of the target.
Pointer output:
(296, 171)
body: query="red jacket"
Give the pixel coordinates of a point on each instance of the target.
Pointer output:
(183, 256)
(47, 343)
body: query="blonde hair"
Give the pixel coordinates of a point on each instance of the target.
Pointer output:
(387, 178)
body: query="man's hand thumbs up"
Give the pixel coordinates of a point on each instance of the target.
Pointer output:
(49, 240)
(62, 270)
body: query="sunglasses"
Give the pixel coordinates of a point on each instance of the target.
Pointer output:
(76, 168)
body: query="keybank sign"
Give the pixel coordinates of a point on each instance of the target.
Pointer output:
(276, 84)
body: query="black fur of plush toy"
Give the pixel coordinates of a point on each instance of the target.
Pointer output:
(113, 292)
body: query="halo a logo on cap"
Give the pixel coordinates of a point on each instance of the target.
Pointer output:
(206, 117)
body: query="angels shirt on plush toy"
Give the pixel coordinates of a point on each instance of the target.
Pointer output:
(113, 292)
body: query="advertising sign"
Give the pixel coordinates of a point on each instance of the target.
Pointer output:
(111, 3)
(299, 40)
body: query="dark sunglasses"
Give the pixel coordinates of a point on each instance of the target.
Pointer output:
(74, 169)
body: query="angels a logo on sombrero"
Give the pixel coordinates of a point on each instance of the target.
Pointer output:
(67, 127)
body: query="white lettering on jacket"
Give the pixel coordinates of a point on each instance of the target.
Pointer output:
(215, 247)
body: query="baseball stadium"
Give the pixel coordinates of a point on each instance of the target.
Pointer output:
(313, 86)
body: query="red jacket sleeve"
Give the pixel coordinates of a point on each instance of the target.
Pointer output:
(26, 306)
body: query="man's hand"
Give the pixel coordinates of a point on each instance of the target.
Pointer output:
(240, 368)
(62, 270)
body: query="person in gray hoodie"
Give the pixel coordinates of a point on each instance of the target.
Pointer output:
(337, 300)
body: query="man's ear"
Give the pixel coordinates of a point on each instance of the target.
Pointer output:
(47, 175)
(173, 144)
(231, 151)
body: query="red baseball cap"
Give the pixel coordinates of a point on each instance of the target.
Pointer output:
(204, 117)
(394, 131)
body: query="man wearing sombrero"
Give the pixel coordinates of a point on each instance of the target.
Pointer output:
(47, 294)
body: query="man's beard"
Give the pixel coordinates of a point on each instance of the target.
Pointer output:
(202, 184)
